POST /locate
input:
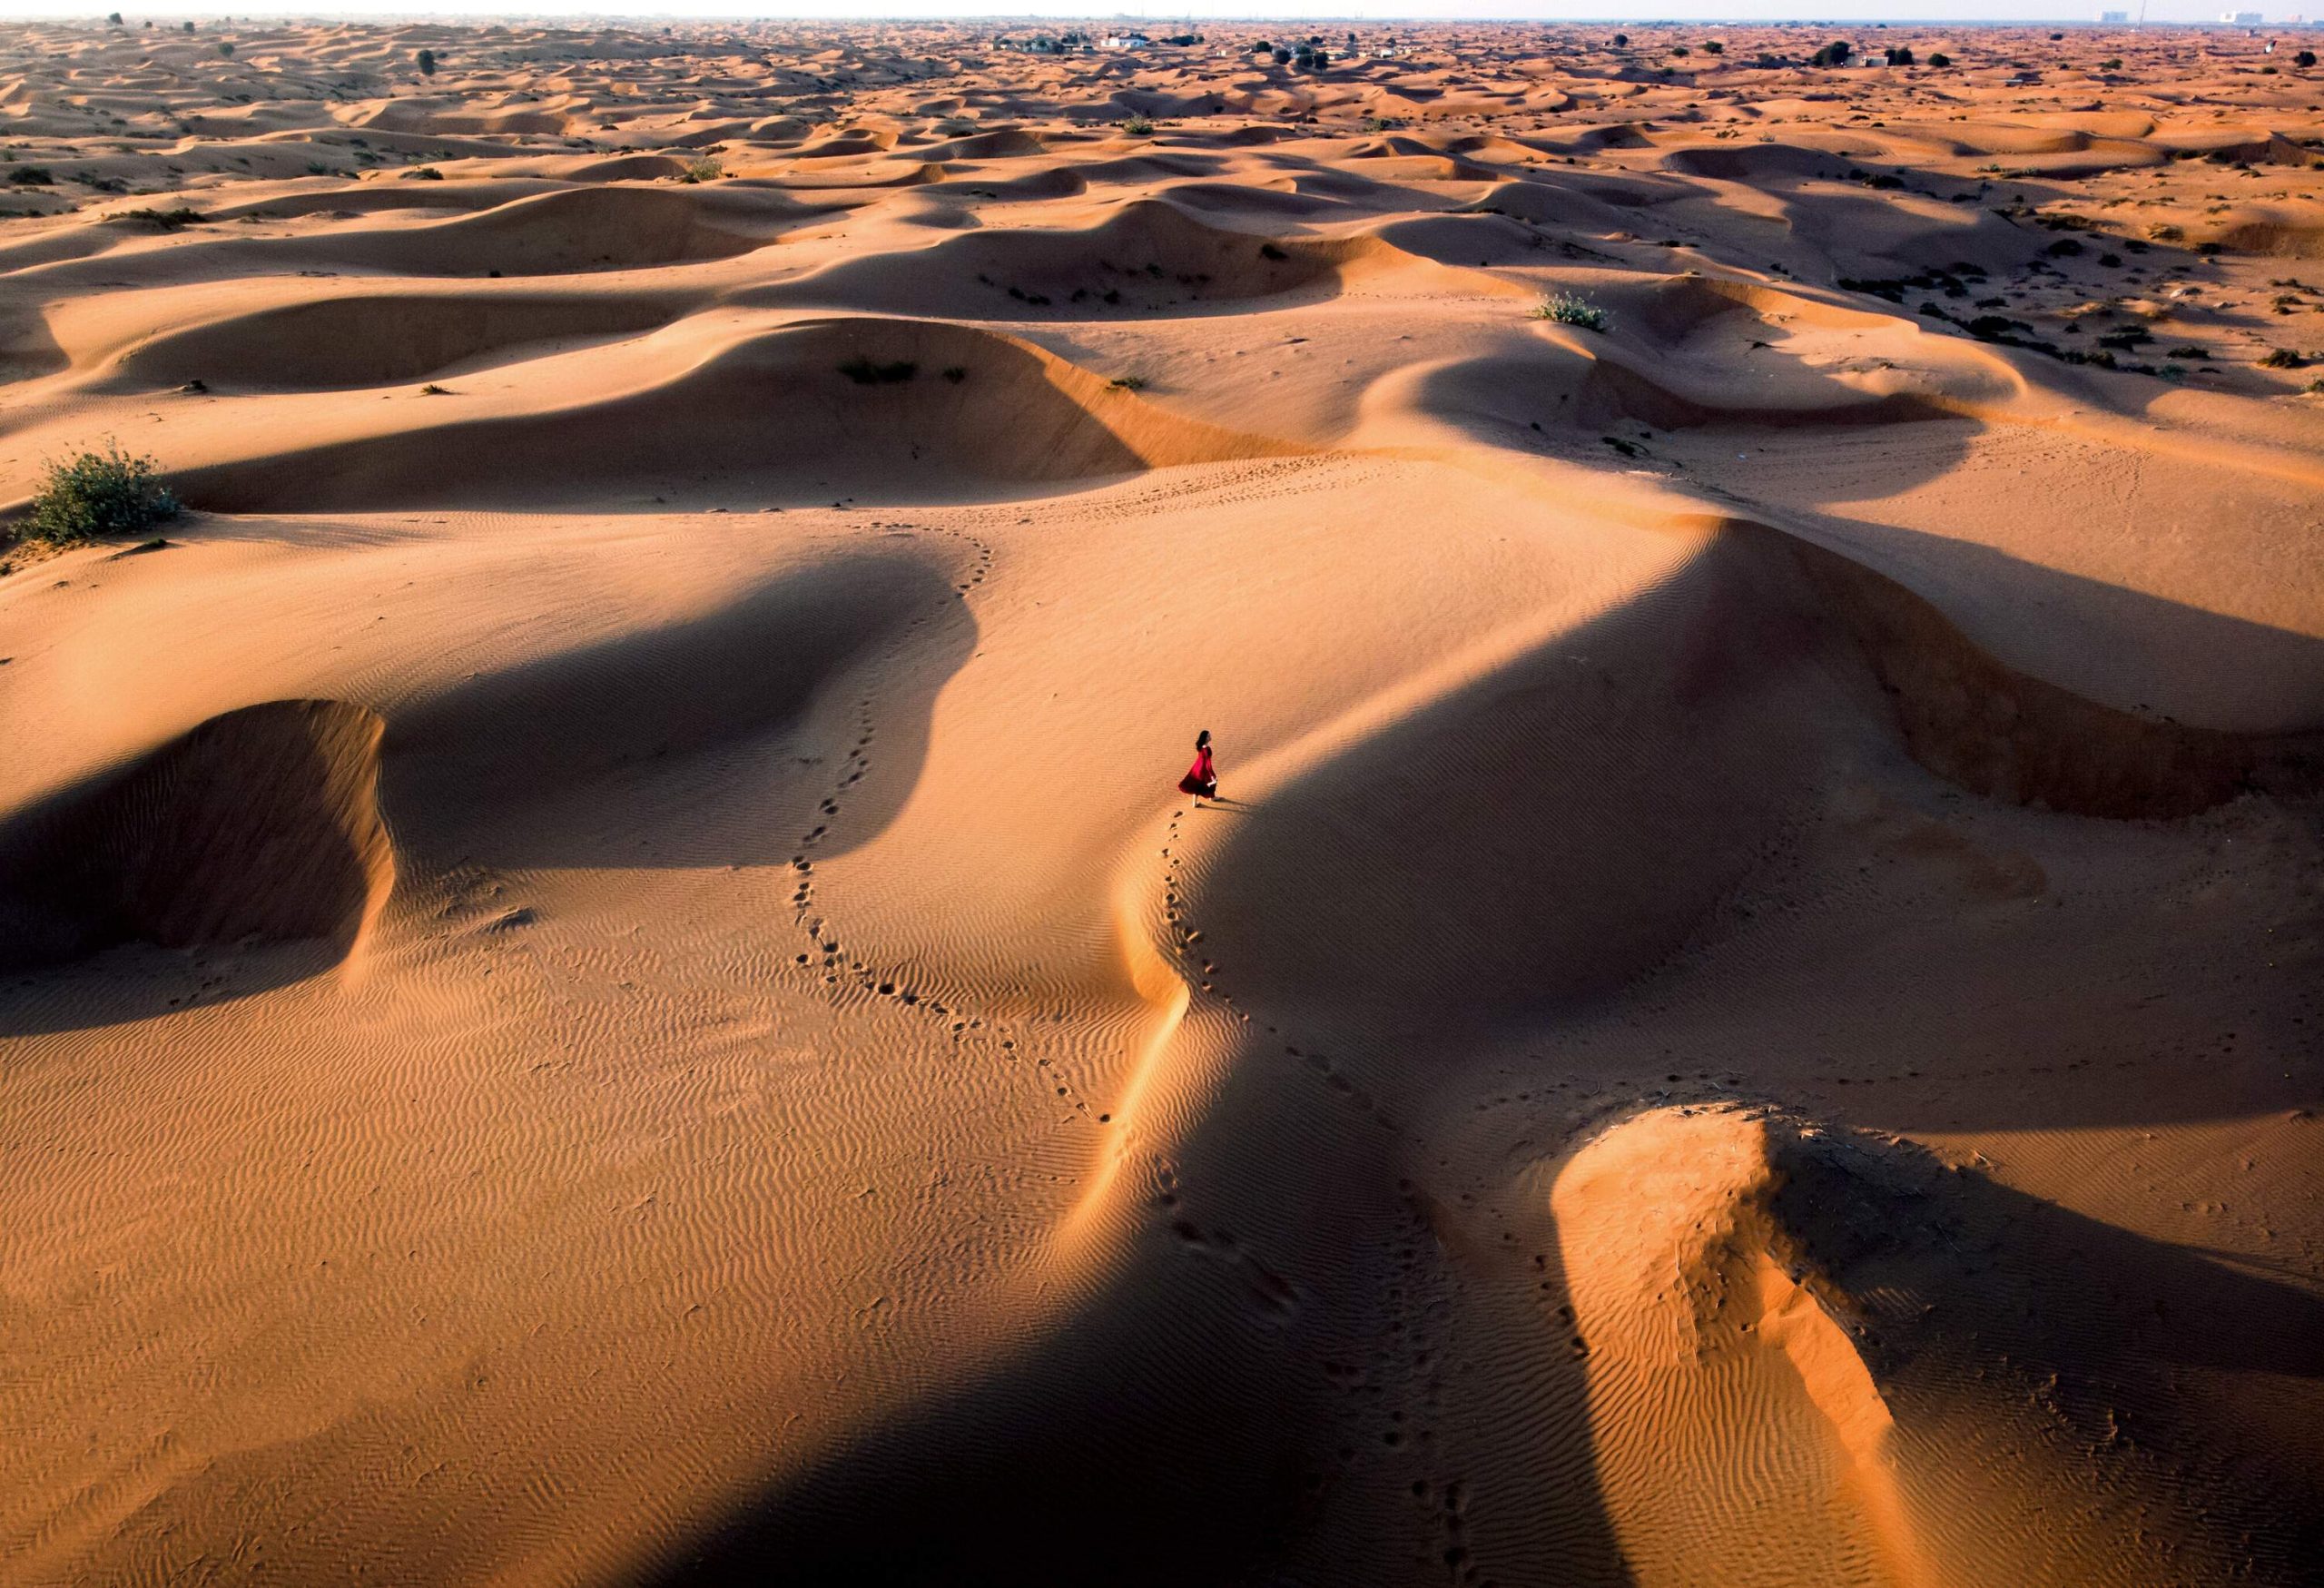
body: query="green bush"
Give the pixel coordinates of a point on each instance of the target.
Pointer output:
(1572, 309)
(98, 493)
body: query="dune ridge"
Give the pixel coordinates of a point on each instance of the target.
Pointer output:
(603, 979)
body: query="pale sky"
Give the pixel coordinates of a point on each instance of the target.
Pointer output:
(1692, 12)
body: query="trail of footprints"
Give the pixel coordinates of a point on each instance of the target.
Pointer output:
(1273, 1294)
(825, 954)
(1187, 941)
(1401, 1354)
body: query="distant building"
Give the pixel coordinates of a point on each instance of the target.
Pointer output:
(2114, 16)
(1124, 41)
(2240, 18)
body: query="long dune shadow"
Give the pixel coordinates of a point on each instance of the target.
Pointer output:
(1524, 851)
(1211, 1412)
(1973, 1289)
(259, 849)
(2104, 617)
(668, 747)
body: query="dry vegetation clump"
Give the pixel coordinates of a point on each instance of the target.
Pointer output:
(95, 495)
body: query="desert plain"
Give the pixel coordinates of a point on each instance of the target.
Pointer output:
(604, 978)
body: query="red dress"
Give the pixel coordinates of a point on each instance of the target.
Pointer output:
(1200, 779)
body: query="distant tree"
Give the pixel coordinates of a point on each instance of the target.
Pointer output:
(1713, 47)
(2305, 58)
(1282, 57)
(188, 27)
(1621, 41)
(114, 18)
(428, 62)
(1939, 58)
(226, 48)
(1678, 49)
(1900, 55)
(1835, 54)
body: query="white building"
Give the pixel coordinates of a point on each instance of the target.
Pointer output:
(1124, 41)
(2114, 16)
(2240, 18)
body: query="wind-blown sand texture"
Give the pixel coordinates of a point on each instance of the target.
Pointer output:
(602, 980)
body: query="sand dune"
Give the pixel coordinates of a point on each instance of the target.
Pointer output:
(603, 977)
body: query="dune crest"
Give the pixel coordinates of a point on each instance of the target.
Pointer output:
(606, 977)
(1724, 1384)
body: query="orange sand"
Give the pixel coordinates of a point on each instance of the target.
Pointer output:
(602, 980)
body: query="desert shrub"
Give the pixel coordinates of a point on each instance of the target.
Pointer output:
(864, 372)
(2189, 350)
(423, 173)
(1939, 58)
(98, 493)
(167, 219)
(2282, 359)
(428, 62)
(956, 373)
(1572, 309)
(702, 170)
(1128, 383)
(1714, 48)
(2305, 58)
(1137, 127)
(33, 176)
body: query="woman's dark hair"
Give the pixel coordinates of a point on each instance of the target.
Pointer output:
(1202, 738)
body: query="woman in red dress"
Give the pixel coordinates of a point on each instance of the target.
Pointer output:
(1202, 778)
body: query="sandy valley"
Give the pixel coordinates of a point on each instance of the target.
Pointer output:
(603, 977)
